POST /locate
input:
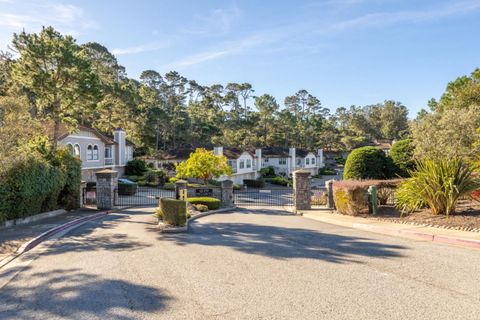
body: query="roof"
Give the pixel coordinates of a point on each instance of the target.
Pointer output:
(303, 152)
(64, 132)
(234, 153)
(181, 153)
(275, 152)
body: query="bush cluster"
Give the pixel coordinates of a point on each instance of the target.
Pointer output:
(211, 203)
(201, 207)
(368, 163)
(350, 196)
(280, 181)
(254, 183)
(136, 168)
(268, 172)
(169, 186)
(173, 212)
(31, 184)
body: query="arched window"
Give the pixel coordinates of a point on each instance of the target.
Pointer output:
(70, 149)
(313, 160)
(95, 152)
(76, 150)
(89, 152)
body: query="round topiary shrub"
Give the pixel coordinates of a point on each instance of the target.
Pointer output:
(402, 156)
(211, 203)
(367, 163)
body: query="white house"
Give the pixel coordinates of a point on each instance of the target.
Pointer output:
(287, 160)
(97, 151)
(243, 164)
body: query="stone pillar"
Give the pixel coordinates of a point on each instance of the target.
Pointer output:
(330, 202)
(81, 200)
(181, 189)
(301, 190)
(227, 193)
(106, 184)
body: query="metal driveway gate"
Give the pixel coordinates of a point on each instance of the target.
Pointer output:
(143, 196)
(264, 197)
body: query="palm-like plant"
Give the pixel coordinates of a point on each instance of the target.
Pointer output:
(437, 184)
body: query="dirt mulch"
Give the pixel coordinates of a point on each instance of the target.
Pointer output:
(466, 217)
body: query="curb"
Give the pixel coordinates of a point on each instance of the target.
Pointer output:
(36, 217)
(47, 234)
(409, 233)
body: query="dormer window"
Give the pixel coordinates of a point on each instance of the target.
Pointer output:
(307, 161)
(313, 160)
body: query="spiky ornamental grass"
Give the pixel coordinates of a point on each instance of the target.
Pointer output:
(437, 184)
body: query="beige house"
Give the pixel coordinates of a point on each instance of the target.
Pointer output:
(97, 151)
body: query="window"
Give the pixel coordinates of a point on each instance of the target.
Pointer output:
(265, 160)
(249, 163)
(76, 150)
(307, 161)
(242, 164)
(108, 153)
(95, 153)
(89, 152)
(313, 160)
(282, 161)
(70, 149)
(299, 162)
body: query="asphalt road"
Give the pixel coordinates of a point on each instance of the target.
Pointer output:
(243, 265)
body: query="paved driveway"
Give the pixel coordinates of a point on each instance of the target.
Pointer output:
(243, 265)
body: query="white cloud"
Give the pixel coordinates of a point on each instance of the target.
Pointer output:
(141, 48)
(66, 18)
(217, 21)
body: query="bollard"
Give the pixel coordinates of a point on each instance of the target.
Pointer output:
(372, 200)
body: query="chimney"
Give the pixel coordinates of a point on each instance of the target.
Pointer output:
(119, 136)
(293, 159)
(320, 158)
(218, 151)
(258, 155)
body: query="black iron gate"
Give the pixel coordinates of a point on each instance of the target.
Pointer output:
(264, 197)
(142, 196)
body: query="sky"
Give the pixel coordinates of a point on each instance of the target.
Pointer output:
(345, 52)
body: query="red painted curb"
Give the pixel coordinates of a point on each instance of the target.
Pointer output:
(49, 233)
(471, 243)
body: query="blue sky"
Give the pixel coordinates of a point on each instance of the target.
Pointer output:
(343, 51)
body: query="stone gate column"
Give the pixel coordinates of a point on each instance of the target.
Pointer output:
(330, 202)
(181, 189)
(106, 184)
(301, 190)
(227, 193)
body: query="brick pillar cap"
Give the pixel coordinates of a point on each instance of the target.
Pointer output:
(181, 181)
(302, 171)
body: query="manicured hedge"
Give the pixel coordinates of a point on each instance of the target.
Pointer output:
(127, 189)
(280, 181)
(30, 184)
(367, 163)
(211, 203)
(254, 183)
(169, 186)
(173, 212)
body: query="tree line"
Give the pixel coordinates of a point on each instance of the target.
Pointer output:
(49, 77)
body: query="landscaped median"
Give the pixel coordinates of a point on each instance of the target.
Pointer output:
(174, 215)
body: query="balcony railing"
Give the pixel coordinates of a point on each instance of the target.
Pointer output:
(108, 161)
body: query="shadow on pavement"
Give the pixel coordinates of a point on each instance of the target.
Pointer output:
(83, 239)
(283, 242)
(73, 294)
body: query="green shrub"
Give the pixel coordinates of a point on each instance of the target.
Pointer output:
(340, 160)
(173, 212)
(367, 163)
(173, 179)
(134, 178)
(155, 176)
(327, 171)
(169, 186)
(281, 181)
(318, 198)
(211, 203)
(31, 185)
(438, 184)
(237, 186)
(127, 189)
(267, 172)
(69, 197)
(215, 182)
(254, 183)
(136, 168)
(350, 197)
(401, 154)
(142, 183)
(201, 207)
